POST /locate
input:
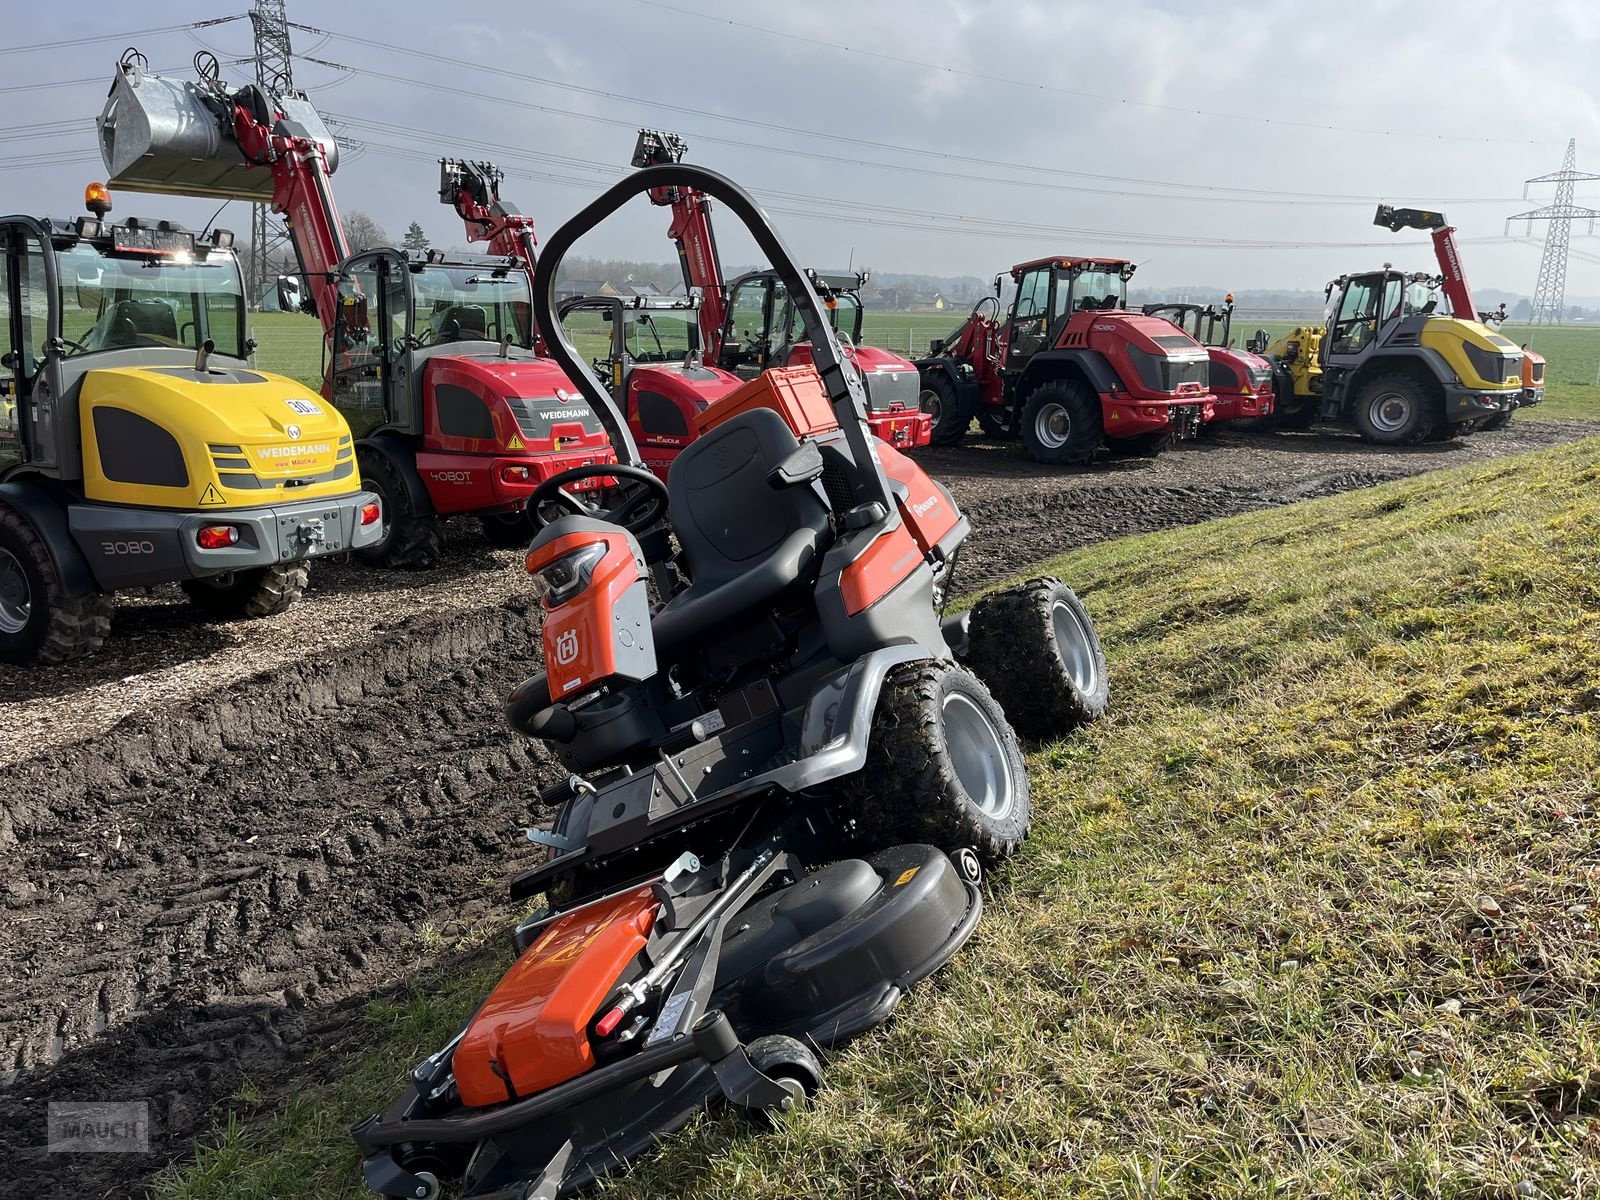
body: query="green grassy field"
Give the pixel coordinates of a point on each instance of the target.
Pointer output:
(1312, 913)
(292, 344)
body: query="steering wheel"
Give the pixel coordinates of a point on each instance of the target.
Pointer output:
(643, 501)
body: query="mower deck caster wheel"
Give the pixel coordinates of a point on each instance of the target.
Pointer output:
(967, 865)
(792, 1066)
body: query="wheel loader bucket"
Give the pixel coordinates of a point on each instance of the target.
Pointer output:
(165, 135)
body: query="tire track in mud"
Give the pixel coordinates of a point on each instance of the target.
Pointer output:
(204, 892)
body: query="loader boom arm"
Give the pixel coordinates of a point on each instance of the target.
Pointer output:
(690, 230)
(1445, 249)
(473, 190)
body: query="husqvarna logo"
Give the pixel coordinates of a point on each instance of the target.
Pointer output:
(925, 505)
(567, 647)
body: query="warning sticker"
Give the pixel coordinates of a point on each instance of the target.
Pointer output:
(211, 495)
(906, 876)
(516, 443)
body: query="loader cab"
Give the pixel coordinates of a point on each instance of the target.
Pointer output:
(89, 294)
(1051, 291)
(1205, 323)
(1365, 309)
(398, 309)
(763, 324)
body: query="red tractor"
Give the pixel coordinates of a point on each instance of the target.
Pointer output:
(751, 325)
(1069, 369)
(1240, 380)
(430, 355)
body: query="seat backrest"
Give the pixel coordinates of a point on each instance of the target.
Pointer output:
(154, 317)
(470, 323)
(728, 518)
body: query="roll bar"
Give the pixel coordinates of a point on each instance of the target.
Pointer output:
(840, 378)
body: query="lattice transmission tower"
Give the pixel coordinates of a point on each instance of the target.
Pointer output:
(1550, 293)
(275, 75)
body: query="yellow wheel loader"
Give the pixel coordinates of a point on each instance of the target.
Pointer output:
(138, 446)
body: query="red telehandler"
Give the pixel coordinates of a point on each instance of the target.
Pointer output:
(751, 324)
(1068, 368)
(1241, 380)
(430, 356)
(649, 353)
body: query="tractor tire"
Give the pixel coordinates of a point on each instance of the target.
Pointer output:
(41, 626)
(411, 541)
(995, 422)
(507, 530)
(943, 767)
(1061, 424)
(1498, 421)
(257, 592)
(1146, 445)
(1293, 416)
(1035, 648)
(1393, 409)
(939, 401)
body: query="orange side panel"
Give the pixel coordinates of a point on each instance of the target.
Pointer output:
(886, 563)
(533, 1031)
(577, 635)
(926, 511)
(794, 393)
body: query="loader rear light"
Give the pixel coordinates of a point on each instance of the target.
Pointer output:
(515, 474)
(216, 537)
(370, 512)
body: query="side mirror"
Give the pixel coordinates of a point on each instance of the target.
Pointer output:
(288, 289)
(936, 346)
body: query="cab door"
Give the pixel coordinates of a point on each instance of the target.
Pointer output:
(1030, 318)
(366, 341)
(757, 303)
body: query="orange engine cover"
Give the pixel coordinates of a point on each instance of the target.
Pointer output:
(533, 1031)
(926, 510)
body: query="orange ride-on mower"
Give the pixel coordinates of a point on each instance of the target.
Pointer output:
(786, 778)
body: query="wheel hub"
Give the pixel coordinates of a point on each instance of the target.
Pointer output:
(929, 403)
(1075, 646)
(978, 753)
(16, 598)
(1052, 425)
(1390, 411)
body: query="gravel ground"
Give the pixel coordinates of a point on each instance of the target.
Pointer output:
(218, 837)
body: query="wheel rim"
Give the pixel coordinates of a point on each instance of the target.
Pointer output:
(978, 754)
(929, 403)
(385, 522)
(1052, 425)
(1390, 411)
(1076, 647)
(16, 597)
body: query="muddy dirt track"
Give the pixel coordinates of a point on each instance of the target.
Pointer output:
(198, 891)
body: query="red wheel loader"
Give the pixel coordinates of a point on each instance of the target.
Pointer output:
(1240, 380)
(1068, 368)
(430, 356)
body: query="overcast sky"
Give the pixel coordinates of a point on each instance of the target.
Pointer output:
(1135, 128)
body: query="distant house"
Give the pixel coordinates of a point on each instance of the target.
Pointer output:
(636, 288)
(573, 288)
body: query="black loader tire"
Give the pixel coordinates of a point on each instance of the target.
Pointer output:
(255, 592)
(414, 542)
(1393, 409)
(57, 628)
(1036, 649)
(911, 787)
(1078, 443)
(995, 422)
(1498, 421)
(507, 530)
(1145, 445)
(940, 401)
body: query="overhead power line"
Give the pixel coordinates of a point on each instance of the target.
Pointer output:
(1036, 86)
(124, 36)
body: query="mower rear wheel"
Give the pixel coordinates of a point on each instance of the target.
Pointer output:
(40, 625)
(939, 401)
(411, 540)
(792, 1066)
(1035, 648)
(1061, 424)
(1393, 409)
(943, 767)
(256, 592)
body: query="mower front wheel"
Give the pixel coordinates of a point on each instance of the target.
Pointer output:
(1035, 648)
(943, 767)
(792, 1066)
(940, 402)
(1061, 424)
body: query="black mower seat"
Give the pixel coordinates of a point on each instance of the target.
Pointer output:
(744, 541)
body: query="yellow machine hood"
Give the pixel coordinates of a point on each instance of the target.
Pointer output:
(171, 437)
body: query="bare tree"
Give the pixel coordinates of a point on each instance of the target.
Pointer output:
(363, 233)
